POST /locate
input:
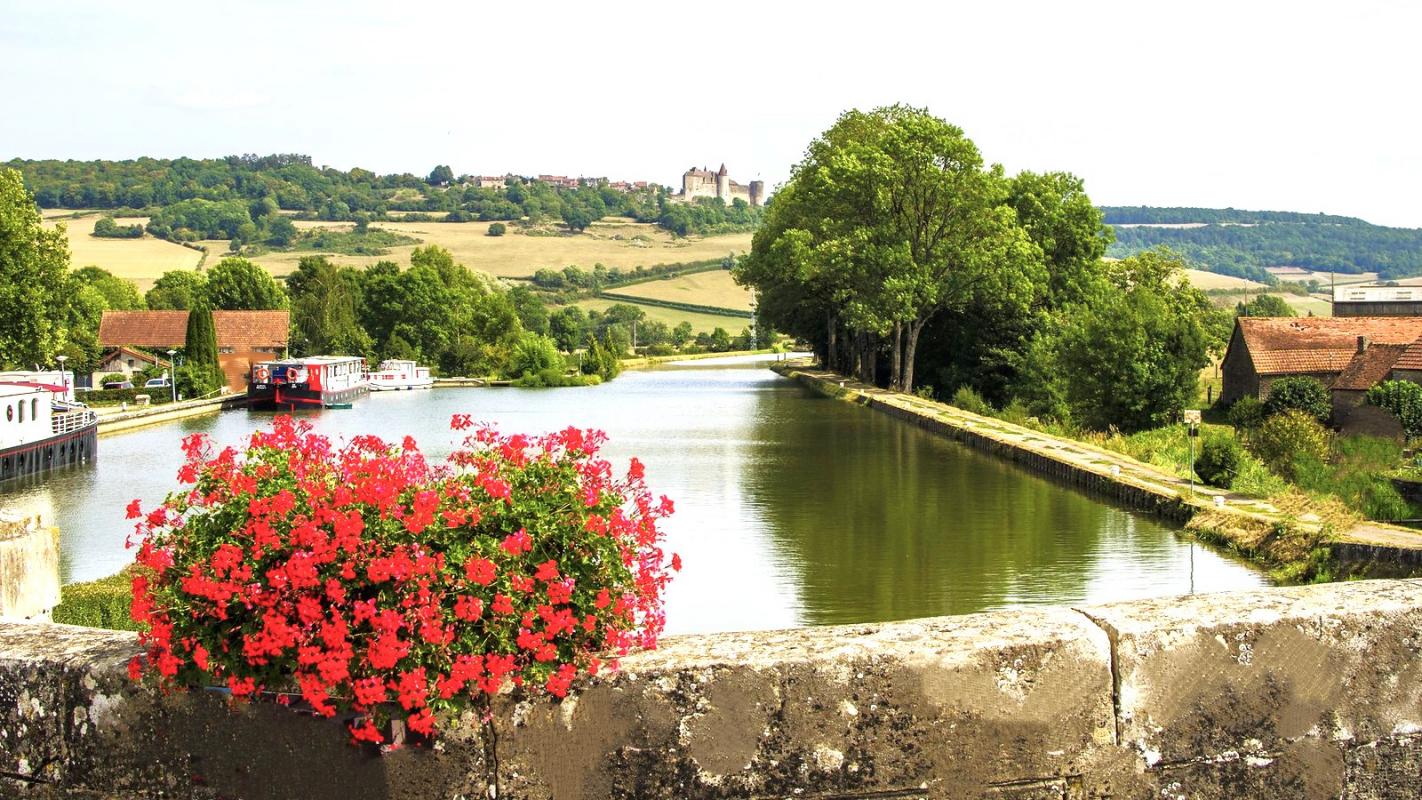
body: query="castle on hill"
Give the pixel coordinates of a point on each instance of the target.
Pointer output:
(705, 183)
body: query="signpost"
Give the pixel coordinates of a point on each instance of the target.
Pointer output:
(1192, 418)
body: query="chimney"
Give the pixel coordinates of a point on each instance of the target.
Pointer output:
(1362, 343)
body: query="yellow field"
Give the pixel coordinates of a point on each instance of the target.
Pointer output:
(612, 243)
(139, 260)
(1203, 280)
(1302, 305)
(701, 288)
(672, 317)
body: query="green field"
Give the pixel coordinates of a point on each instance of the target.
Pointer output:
(672, 317)
(1205, 281)
(713, 288)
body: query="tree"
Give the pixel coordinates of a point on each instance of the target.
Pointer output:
(178, 290)
(497, 229)
(202, 373)
(441, 175)
(119, 294)
(1265, 305)
(1130, 355)
(893, 219)
(323, 308)
(681, 334)
(1301, 393)
(33, 262)
(238, 284)
(576, 217)
(568, 326)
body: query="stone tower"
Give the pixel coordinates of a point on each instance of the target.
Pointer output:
(757, 192)
(723, 185)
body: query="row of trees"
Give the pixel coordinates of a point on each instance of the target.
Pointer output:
(214, 198)
(895, 250)
(1246, 250)
(1175, 215)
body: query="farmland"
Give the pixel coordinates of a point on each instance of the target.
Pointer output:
(139, 260)
(615, 242)
(713, 288)
(699, 322)
(1206, 281)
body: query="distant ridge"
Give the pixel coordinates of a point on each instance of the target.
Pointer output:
(1244, 243)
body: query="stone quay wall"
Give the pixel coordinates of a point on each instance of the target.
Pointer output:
(1299, 693)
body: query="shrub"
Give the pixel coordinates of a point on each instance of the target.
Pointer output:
(970, 401)
(498, 229)
(1403, 399)
(459, 215)
(1218, 461)
(367, 577)
(1283, 439)
(98, 604)
(1246, 413)
(1300, 393)
(533, 353)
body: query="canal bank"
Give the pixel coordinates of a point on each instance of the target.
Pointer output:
(115, 421)
(1296, 548)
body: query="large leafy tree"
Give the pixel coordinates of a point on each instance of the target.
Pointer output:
(33, 262)
(891, 220)
(1130, 355)
(323, 308)
(119, 294)
(178, 290)
(238, 284)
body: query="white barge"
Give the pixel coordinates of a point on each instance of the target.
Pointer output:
(41, 430)
(397, 375)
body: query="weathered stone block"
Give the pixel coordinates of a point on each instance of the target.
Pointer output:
(1243, 676)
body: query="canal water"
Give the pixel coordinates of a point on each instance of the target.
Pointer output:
(791, 509)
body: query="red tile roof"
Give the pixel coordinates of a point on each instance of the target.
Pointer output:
(1411, 357)
(1369, 367)
(1296, 345)
(161, 330)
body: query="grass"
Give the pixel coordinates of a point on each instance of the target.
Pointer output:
(102, 603)
(616, 243)
(139, 260)
(1203, 280)
(713, 288)
(672, 317)
(1302, 305)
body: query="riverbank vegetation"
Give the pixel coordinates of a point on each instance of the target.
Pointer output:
(907, 261)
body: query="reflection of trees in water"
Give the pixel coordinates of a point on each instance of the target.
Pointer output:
(884, 521)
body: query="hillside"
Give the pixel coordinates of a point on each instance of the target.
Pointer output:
(1247, 244)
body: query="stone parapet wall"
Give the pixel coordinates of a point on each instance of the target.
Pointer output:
(1306, 692)
(29, 569)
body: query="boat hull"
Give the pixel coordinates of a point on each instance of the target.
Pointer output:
(60, 450)
(405, 387)
(271, 397)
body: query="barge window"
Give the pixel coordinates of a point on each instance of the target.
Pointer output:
(22, 411)
(9, 413)
(34, 408)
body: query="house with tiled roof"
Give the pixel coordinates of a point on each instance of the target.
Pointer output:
(1372, 364)
(243, 337)
(122, 360)
(1264, 349)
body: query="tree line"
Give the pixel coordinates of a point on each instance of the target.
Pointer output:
(213, 198)
(1245, 251)
(1176, 215)
(906, 260)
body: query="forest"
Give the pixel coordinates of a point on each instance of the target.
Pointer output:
(215, 197)
(1245, 243)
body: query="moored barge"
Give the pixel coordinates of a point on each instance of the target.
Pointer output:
(310, 382)
(41, 431)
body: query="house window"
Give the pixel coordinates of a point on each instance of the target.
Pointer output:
(130, 363)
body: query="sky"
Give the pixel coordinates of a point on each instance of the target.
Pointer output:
(1298, 106)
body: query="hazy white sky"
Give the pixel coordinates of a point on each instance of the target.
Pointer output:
(1299, 106)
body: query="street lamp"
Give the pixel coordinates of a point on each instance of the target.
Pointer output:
(172, 375)
(63, 377)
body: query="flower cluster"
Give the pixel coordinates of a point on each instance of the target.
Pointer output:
(373, 580)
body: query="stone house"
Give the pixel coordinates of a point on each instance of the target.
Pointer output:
(122, 360)
(1372, 364)
(243, 337)
(1263, 349)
